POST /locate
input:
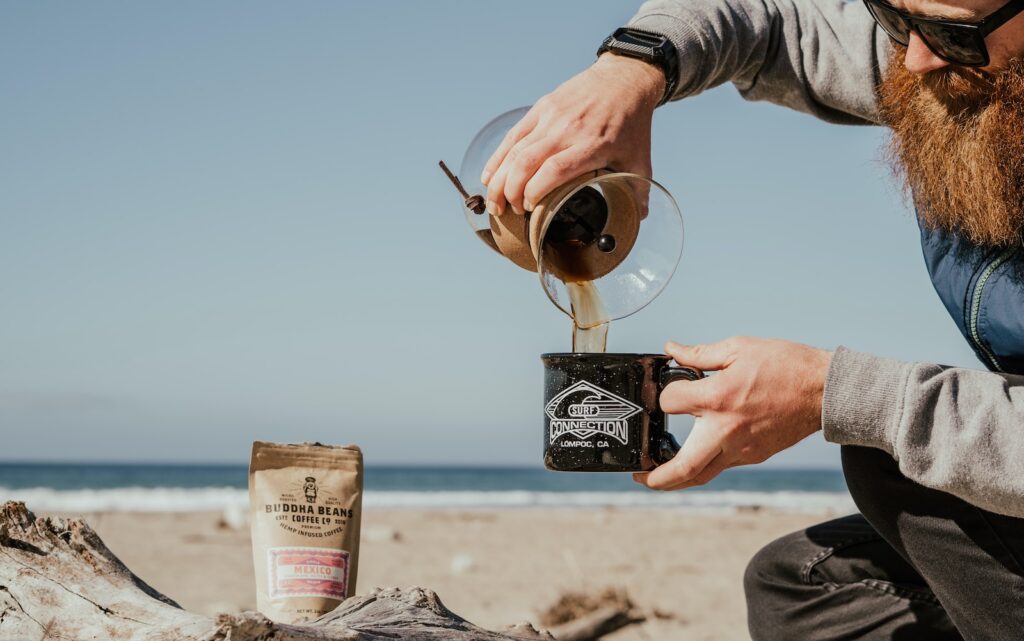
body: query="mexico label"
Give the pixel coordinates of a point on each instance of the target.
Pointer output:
(306, 571)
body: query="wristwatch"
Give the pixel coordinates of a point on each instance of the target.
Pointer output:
(649, 47)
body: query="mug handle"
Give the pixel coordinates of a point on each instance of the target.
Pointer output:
(667, 446)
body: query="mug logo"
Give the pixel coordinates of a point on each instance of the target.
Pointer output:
(585, 409)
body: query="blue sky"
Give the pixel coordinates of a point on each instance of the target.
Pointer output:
(224, 222)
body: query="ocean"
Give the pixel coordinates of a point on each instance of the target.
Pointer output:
(69, 487)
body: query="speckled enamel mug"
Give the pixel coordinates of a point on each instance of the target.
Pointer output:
(601, 411)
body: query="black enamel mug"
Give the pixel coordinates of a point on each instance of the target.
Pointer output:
(601, 411)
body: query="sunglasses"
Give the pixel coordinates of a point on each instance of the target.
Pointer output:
(958, 43)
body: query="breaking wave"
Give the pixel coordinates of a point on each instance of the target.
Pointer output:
(173, 499)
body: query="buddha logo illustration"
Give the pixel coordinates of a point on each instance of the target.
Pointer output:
(585, 410)
(310, 490)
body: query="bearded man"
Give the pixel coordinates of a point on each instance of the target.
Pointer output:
(933, 455)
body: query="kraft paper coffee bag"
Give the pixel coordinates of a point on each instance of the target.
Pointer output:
(306, 503)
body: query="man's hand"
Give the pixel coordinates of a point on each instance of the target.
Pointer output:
(599, 118)
(765, 398)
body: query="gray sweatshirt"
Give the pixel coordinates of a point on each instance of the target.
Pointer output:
(953, 429)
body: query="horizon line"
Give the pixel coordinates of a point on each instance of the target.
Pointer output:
(392, 464)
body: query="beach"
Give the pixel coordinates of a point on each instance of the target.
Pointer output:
(494, 567)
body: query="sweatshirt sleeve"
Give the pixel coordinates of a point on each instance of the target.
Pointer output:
(956, 430)
(822, 57)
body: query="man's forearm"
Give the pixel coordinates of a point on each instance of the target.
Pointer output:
(952, 429)
(823, 57)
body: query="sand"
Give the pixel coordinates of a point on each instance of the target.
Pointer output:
(494, 568)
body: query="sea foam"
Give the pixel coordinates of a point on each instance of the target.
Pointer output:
(172, 499)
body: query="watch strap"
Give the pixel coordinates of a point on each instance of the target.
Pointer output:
(650, 47)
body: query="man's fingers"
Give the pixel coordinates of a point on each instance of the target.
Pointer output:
(713, 469)
(558, 170)
(708, 357)
(496, 191)
(521, 129)
(524, 168)
(685, 397)
(717, 465)
(721, 463)
(700, 448)
(516, 156)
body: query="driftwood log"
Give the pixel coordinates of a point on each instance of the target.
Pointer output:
(59, 581)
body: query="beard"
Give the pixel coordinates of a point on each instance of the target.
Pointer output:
(957, 147)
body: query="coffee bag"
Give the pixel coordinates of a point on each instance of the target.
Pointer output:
(306, 503)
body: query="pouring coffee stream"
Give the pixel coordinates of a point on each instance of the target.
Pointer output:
(590, 322)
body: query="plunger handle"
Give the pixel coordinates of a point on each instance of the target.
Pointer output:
(473, 203)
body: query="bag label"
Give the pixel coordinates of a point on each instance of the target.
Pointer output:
(306, 571)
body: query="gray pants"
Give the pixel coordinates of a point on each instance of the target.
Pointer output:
(915, 564)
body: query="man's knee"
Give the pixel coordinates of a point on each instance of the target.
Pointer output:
(771, 582)
(787, 583)
(774, 565)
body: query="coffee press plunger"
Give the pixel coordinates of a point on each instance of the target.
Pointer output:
(619, 233)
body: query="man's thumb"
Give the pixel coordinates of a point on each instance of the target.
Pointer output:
(709, 357)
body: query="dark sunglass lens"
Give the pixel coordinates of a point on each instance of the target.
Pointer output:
(890, 22)
(958, 45)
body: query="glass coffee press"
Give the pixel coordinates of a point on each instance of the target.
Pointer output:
(604, 245)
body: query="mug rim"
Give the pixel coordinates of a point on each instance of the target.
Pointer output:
(596, 355)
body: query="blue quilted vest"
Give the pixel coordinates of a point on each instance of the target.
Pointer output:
(983, 289)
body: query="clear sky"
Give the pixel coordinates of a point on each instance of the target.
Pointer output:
(224, 222)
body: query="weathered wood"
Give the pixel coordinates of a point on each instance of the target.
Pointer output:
(59, 581)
